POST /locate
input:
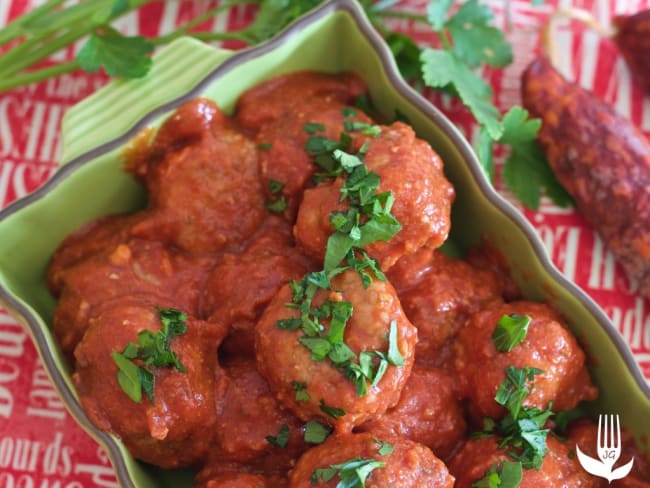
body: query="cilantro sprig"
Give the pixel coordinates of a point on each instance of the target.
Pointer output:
(281, 439)
(507, 474)
(468, 39)
(510, 331)
(135, 362)
(316, 433)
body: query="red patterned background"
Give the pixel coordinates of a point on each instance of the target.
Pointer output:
(40, 444)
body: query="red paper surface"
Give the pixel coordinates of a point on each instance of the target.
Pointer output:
(40, 444)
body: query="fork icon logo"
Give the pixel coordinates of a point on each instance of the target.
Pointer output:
(608, 449)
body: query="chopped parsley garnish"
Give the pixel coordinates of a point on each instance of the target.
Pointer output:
(264, 145)
(510, 331)
(385, 448)
(566, 417)
(516, 386)
(508, 474)
(281, 439)
(394, 355)
(301, 391)
(276, 205)
(315, 432)
(152, 350)
(368, 219)
(275, 187)
(313, 127)
(333, 412)
(352, 473)
(522, 428)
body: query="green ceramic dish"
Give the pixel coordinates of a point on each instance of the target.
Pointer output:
(336, 37)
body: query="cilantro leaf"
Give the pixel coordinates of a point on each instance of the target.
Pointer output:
(506, 475)
(128, 377)
(153, 350)
(353, 473)
(333, 412)
(526, 172)
(437, 13)
(281, 439)
(474, 40)
(517, 127)
(385, 449)
(276, 206)
(313, 127)
(510, 331)
(442, 68)
(407, 55)
(274, 15)
(120, 55)
(566, 417)
(301, 391)
(394, 355)
(315, 432)
(515, 387)
(275, 187)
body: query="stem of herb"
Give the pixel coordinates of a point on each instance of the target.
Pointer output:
(185, 28)
(15, 28)
(393, 14)
(38, 75)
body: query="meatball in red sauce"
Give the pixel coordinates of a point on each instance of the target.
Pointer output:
(399, 463)
(251, 424)
(130, 269)
(412, 171)
(266, 102)
(205, 193)
(557, 470)
(286, 362)
(91, 239)
(438, 293)
(177, 428)
(584, 434)
(284, 159)
(427, 412)
(548, 346)
(241, 285)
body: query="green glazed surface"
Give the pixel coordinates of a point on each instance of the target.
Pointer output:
(333, 39)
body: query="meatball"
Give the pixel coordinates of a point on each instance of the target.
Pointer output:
(266, 102)
(548, 346)
(133, 268)
(438, 293)
(478, 456)
(205, 193)
(248, 415)
(584, 434)
(285, 160)
(427, 413)
(93, 238)
(408, 465)
(241, 285)
(177, 428)
(487, 257)
(409, 168)
(285, 362)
